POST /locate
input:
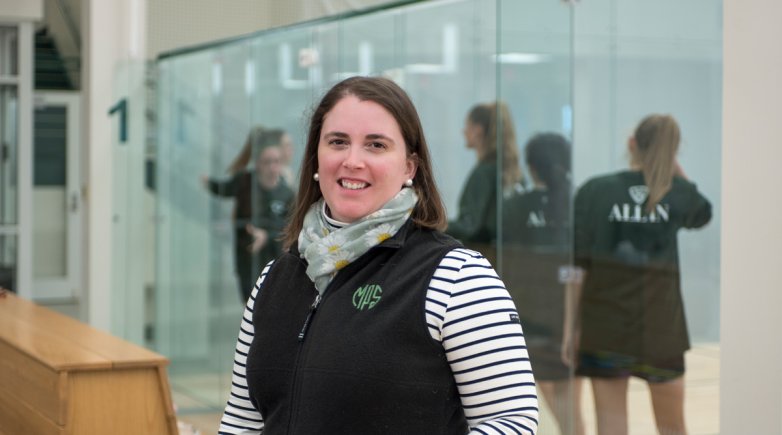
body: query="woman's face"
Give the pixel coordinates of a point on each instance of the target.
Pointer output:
(473, 134)
(362, 159)
(286, 146)
(268, 166)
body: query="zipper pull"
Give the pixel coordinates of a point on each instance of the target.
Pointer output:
(313, 307)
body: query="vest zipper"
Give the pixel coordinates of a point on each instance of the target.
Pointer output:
(294, 381)
(307, 321)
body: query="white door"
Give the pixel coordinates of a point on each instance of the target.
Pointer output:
(57, 207)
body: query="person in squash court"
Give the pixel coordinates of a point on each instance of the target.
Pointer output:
(632, 314)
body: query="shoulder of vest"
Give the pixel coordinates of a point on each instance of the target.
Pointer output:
(287, 258)
(437, 239)
(446, 240)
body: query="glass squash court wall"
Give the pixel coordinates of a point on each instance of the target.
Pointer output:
(588, 71)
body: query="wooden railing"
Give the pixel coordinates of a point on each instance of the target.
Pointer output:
(60, 376)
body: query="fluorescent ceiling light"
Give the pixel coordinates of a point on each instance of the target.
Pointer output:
(520, 58)
(426, 68)
(249, 77)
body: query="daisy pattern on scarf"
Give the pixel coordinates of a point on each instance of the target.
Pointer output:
(333, 243)
(336, 261)
(311, 235)
(379, 234)
(329, 246)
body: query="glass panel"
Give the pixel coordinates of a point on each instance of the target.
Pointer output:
(9, 103)
(8, 261)
(366, 46)
(633, 59)
(186, 240)
(49, 193)
(447, 51)
(574, 76)
(289, 65)
(232, 111)
(535, 247)
(130, 210)
(9, 51)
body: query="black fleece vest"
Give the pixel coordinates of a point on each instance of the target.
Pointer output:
(366, 363)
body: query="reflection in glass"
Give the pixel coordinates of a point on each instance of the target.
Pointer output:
(489, 131)
(536, 259)
(193, 270)
(262, 201)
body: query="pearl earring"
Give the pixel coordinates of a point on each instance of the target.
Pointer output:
(316, 177)
(409, 182)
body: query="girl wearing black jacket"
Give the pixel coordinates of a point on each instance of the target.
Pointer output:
(537, 252)
(632, 314)
(263, 200)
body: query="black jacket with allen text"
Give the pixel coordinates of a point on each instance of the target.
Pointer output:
(632, 302)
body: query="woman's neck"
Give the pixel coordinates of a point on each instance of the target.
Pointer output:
(330, 220)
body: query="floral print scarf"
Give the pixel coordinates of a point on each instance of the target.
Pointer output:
(329, 248)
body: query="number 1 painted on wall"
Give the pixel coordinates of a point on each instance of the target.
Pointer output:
(122, 108)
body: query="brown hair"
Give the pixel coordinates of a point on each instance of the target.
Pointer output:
(257, 140)
(548, 155)
(496, 122)
(429, 212)
(657, 141)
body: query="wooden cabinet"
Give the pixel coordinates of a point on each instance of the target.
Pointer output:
(60, 376)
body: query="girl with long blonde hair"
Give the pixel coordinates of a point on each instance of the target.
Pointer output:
(489, 131)
(632, 318)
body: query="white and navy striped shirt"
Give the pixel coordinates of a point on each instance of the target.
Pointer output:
(467, 309)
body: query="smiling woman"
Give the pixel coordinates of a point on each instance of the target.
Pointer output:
(362, 159)
(374, 321)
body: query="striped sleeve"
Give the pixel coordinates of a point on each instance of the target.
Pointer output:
(240, 416)
(471, 313)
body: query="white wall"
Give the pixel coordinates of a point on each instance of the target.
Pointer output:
(751, 376)
(175, 24)
(21, 10)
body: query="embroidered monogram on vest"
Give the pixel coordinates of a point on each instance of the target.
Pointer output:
(367, 296)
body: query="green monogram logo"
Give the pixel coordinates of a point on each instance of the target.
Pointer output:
(366, 297)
